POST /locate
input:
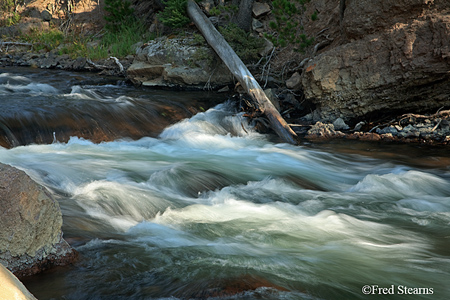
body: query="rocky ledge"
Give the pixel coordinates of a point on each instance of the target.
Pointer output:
(31, 239)
(376, 57)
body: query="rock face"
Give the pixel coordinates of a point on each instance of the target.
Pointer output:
(385, 55)
(30, 220)
(177, 62)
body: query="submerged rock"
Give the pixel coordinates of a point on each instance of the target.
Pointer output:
(31, 239)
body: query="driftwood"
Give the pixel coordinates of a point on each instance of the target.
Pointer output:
(240, 72)
(15, 44)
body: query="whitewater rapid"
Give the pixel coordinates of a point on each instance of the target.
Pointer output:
(210, 200)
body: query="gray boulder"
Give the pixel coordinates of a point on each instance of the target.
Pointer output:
(177, 62)
(31, 239)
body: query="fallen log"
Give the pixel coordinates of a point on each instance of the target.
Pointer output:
(240, 72)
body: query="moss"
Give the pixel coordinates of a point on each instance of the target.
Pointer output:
(246, 46)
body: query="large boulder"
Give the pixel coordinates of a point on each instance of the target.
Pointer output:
(386, 55)
(11, 287)
(31, 239)
(177, 62)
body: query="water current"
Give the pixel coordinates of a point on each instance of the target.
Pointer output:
(207, 208)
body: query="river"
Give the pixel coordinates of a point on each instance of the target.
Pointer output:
(207, 208)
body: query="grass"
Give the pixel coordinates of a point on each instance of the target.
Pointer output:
(8, 14)
(117, 44)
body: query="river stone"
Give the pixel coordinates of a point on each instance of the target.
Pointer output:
(339, 124)
(30, 238)
(11, 287)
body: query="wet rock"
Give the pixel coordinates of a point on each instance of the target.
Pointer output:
(50, 62)
(11, 287)
(339, 124)
(31, 239)
(226, 288)
(79, 64)
(390, 129)
(321, 130)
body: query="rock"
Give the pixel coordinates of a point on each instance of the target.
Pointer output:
(46, 15)
(225, 89)
(11, 287)
(389, 130)
(177, 62)
(256, 24)
(294, 82)
(359, 126)
(321, 130)
(339, 124)
(388, 55)
(207, 5)
(273, 98)
(31, 238)
(79, 63)
(260, 9)
(267, 49)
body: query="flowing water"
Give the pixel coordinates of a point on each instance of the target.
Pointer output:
(209, 208)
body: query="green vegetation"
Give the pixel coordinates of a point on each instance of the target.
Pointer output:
(8, 13)
(120, 14)
(47, 40)
(119, 43)
(174, 13)
(111, 44)
(243, 43)
(286, 29)
(224, 11)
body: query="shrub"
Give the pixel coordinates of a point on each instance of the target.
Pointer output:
(119, 13)
(174, 13)
(287, 30)
(243, 43)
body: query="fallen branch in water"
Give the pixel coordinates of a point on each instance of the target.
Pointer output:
(240, 72)
(116, 60)
(106, 68)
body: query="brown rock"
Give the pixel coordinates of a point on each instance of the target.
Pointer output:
(31, 237)
(388, 55)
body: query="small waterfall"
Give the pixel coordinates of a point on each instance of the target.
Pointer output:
(40, 112)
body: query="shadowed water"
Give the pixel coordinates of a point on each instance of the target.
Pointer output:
(209, 208)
